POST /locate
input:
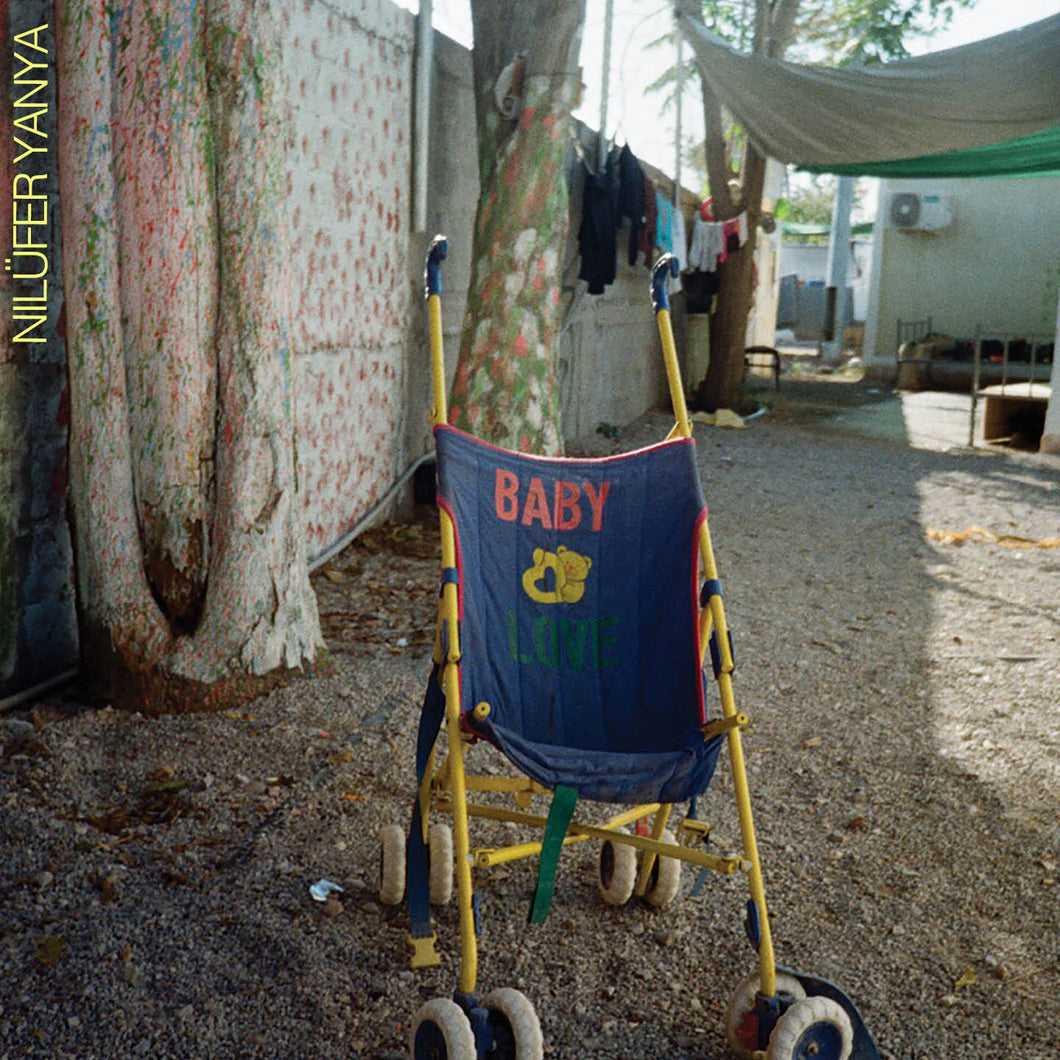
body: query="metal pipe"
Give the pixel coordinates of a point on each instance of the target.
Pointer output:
(605, 84)
(423, 73)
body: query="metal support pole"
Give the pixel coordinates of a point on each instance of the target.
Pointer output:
(678, 92)
(838, 267)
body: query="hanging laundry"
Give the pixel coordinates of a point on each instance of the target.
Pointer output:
(706, 245)
(631, 198)
(734, 235)
(664, 224)
(680, 242)
(700, 287)
(647, 232)
(714, 241)
(597, 242)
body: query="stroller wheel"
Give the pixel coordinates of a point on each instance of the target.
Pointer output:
(441, 1031)
(618, 872)
(814, 1027)
(741, 1025)
(440, 853)
(516, 1030)
(391, 864)
(665, 881)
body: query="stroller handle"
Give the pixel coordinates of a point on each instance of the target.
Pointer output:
(432, 271)
(661, 271)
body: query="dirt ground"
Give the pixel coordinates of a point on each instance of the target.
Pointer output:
(904, 758)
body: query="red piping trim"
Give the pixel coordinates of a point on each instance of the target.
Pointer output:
(447, 508)
(695, 614)
(615, 458)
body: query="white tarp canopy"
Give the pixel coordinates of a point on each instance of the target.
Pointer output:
(983, 109)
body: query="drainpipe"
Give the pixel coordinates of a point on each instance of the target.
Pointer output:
(423, 73)
(605, 86)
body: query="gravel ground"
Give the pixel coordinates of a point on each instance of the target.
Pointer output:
(904, 763)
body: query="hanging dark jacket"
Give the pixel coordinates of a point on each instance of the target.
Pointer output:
(631, 198)
(597, 242)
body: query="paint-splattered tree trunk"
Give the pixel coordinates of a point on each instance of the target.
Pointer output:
(505, 386)
(191, 572)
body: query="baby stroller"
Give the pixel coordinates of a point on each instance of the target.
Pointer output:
(580, 602)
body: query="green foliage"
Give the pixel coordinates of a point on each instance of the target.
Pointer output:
(864, 32)
(811, 203)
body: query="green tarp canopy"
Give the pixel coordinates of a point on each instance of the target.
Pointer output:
(991, 108)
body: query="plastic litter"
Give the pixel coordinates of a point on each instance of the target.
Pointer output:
(323, 889)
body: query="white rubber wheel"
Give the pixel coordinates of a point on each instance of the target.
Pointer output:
(815, 1026)
(664, 884)
(391, 864)
(617, 872)
(743, 1001)
(441, 1031)
(440, 856)
(515, 1026)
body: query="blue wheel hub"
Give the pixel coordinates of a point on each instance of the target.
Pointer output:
(822, 1041)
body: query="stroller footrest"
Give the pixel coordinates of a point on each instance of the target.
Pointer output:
(424, 954)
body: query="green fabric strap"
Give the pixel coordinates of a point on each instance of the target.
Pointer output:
(559, 815)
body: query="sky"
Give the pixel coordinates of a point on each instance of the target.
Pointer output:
(635, 116)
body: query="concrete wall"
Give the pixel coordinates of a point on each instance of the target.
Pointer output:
(610, 366)
(997, 264)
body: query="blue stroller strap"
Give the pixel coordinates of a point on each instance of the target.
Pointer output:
(418, 887)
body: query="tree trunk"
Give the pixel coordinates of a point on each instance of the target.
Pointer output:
(722, 386)
(191, 571)
(505, 386)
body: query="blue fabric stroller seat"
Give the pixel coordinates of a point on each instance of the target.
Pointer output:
(579, 596)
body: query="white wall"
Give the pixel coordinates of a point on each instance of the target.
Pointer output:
(996, 265)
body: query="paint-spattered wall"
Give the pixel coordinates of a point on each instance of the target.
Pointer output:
(38, 639)
(349, 68)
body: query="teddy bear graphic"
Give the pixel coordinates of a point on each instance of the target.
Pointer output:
(569, 571)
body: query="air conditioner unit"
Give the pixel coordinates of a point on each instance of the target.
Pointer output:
(920, 213)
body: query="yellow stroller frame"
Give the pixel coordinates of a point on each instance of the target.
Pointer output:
(771, 1014)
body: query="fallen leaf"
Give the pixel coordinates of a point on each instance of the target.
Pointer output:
(284, 780)
(49, 950)
(967, 979)
(352, 796)
(857, 824)
(165, 787)
(811, 743)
